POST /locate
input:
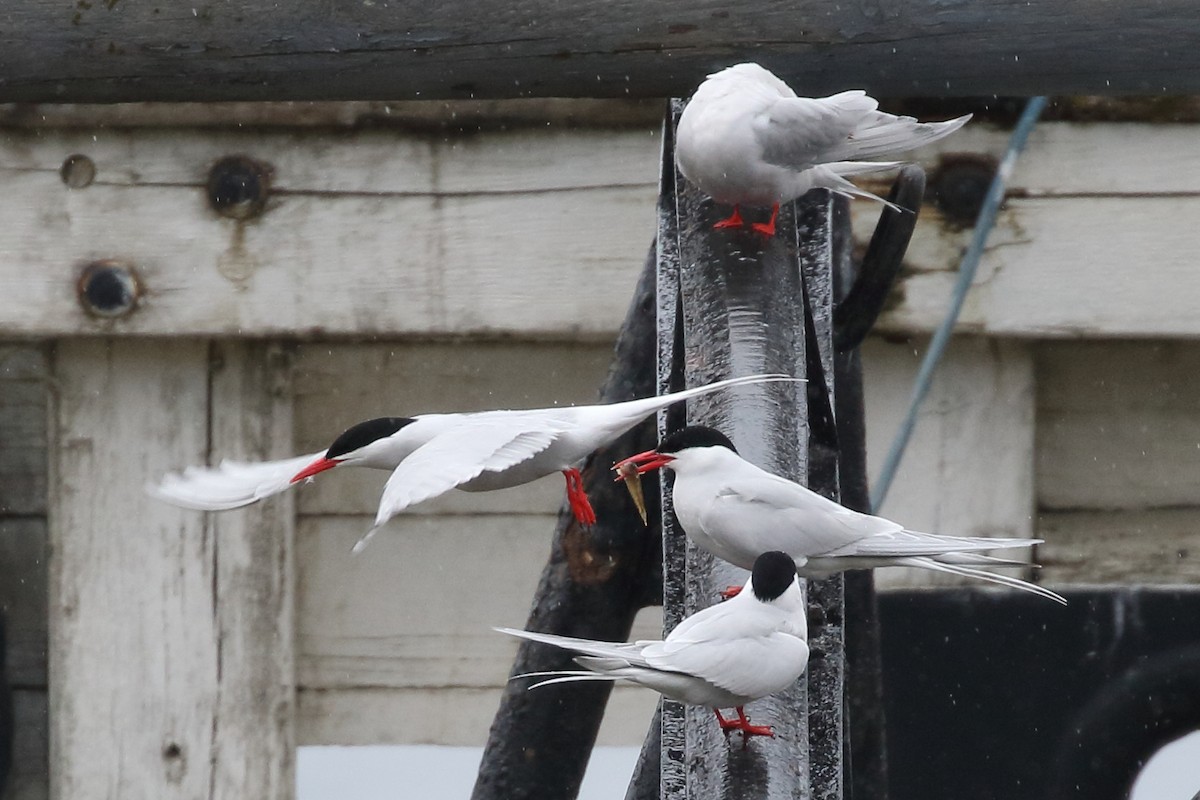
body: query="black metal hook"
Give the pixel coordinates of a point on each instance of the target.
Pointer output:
(857, 312)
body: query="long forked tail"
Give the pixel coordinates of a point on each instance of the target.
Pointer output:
(662, 401)
(564, 676)
(882, 134)
(924, 562)
(830, 176)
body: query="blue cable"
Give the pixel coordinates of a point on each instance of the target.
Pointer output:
(966, 275)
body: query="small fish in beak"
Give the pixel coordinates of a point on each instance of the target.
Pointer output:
(627, 471)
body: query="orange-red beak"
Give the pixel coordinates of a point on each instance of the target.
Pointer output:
(320, 465)
(642, 463)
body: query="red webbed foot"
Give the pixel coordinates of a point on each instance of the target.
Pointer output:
(734, 220)
(767, 228)
(581, 507)
(742, 723)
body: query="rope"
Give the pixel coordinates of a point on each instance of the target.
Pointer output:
(966, 275)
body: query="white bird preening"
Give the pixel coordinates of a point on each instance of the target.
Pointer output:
(736, 510)
(724, 656)
(745, 138)
(431, 454)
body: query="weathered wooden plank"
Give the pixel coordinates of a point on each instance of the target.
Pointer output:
(348, 638)
(254, 600)
(356, 161)
(339, 384)
(1120, 547)
(350, 50)
(182, 623)
(329, 240)
(968, 467)
(23, 599)
(28, 777)
(1118, 424)
(1058, 268)
(291, 272)
(453, 716)
(23, 398)
(131, 580)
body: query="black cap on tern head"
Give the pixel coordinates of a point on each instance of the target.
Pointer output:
(773, 573)
(694, 436)
(364, 433)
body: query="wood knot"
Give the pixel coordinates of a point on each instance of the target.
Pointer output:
(586, 566)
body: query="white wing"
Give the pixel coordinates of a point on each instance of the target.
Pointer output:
(765, 512)
(799, 132)
(738, 647)
(489, 444)
(231, 484)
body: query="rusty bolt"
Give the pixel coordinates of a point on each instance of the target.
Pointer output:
(960, 184)
(108, 288)
(238, 187)
(77, 171)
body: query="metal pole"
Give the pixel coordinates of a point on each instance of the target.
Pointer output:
(743, 306)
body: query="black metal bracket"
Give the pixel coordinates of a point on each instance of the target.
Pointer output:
(855, 315)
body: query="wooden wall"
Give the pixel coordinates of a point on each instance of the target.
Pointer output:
(439, 270)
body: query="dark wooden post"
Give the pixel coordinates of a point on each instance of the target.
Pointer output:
(861, 297)
(593, 585)
(736, 303)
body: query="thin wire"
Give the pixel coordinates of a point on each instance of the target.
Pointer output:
(966, 275)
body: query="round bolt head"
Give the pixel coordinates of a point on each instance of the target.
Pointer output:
(77, 171)
(108, 289)
(238, 187)
(960, 184)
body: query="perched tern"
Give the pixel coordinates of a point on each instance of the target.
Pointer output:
(736, 510)
(745, 138)
(724, 656)
(432, 453)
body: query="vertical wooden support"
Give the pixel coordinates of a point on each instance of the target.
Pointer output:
(170, 636)
(593, 585)
(254, 726)
(744, 307)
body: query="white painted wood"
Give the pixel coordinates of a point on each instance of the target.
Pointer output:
(452, 716)
(133, 642)
(1118, 425)
(403, 632)
(182, 627)
(1087, 267)
(540, 233)
(1121, 547)
(417, 607)
(968, 467)
(254, 603)
(1073, 158)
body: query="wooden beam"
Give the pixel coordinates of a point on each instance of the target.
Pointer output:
(345, 49)
(181, 624)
